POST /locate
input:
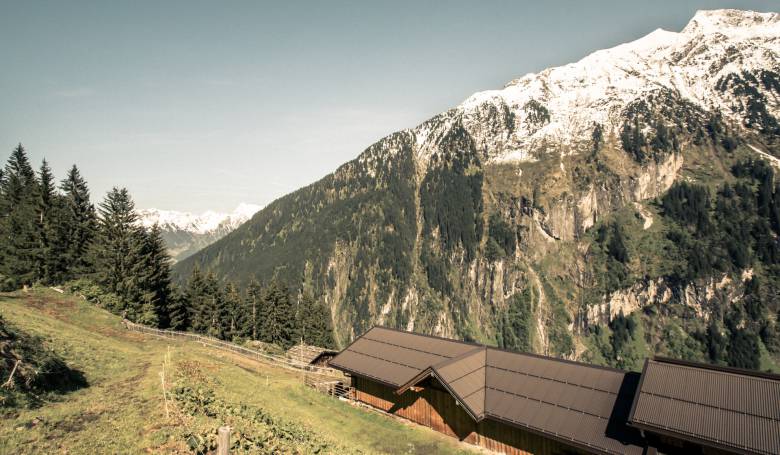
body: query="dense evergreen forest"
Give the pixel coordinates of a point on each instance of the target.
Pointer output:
(52, 234)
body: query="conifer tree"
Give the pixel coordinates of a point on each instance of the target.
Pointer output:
(279, 318)
(178, 311)
(78, 224)
(116, 248)
(254, 311)
(314, 322)
(196, 295)
(18, 221)
(234, 324)
(150, 276)
(46, 201)
(215, 311)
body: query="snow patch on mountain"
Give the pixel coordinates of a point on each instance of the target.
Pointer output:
(556, 109)
(204, 223)
(186, 233)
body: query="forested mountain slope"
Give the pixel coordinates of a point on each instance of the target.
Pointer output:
(600, 210)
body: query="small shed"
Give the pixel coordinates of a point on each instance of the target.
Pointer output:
(311, 355)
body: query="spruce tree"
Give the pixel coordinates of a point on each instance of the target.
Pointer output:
(18, 221)
(254, 311)
(314, 322)
(234, 323)
(178, 311)
(117, 247)
(279, 325)
(46, 200)
(149, 281)
(196, 296)
(78, 226)
(215, 312)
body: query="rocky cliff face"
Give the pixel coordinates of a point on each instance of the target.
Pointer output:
(480, 223)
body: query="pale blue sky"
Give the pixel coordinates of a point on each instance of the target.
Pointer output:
(202, 105)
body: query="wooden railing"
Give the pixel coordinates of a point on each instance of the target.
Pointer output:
(276, 360)
(329, 386)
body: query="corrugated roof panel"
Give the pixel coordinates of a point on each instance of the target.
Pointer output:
(571, 424)
(729, 408)
(392, 353)
(445, 348)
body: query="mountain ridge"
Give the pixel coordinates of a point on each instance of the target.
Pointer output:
(496, 220)
(185, 233)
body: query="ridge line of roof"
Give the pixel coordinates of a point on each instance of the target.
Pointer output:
(404, 347)
(435, 337)
(718, 368)
(465, 374)
(498, 349)
(557, 359)
(457, 358)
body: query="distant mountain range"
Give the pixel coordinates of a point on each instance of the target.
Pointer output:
(185, 233)
(600, 210)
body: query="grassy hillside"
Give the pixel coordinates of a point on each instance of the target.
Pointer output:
(122, 411)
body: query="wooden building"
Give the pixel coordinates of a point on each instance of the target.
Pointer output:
(312, 355)
(517, 403)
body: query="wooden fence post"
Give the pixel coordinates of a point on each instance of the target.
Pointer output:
(223, 441)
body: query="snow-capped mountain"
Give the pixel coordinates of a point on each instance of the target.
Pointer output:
(704, 65)
(487, 211)
(185, 233)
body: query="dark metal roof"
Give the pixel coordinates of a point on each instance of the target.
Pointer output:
(393, 357)
(579, 404)
(726, 408)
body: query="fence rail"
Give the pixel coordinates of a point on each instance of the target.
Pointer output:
(326, 380)
(277, 360)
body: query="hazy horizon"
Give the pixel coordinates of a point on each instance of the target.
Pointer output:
(196, 107)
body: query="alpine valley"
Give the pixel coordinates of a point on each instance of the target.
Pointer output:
(604, 210)
(185, 233)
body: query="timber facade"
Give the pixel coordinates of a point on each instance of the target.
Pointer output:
(517, 403)
(432, 406)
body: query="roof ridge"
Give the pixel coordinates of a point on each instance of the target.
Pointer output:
(405, 347)
(458, 357)
(719, 368)
(435, 337)
(557, 359)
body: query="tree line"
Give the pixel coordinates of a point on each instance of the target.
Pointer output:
(53, 235)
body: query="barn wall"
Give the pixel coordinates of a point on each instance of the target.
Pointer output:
(437, 409)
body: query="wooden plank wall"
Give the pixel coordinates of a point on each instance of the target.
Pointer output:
(438, 410)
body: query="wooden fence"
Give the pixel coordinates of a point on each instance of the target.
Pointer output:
(323, 379)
